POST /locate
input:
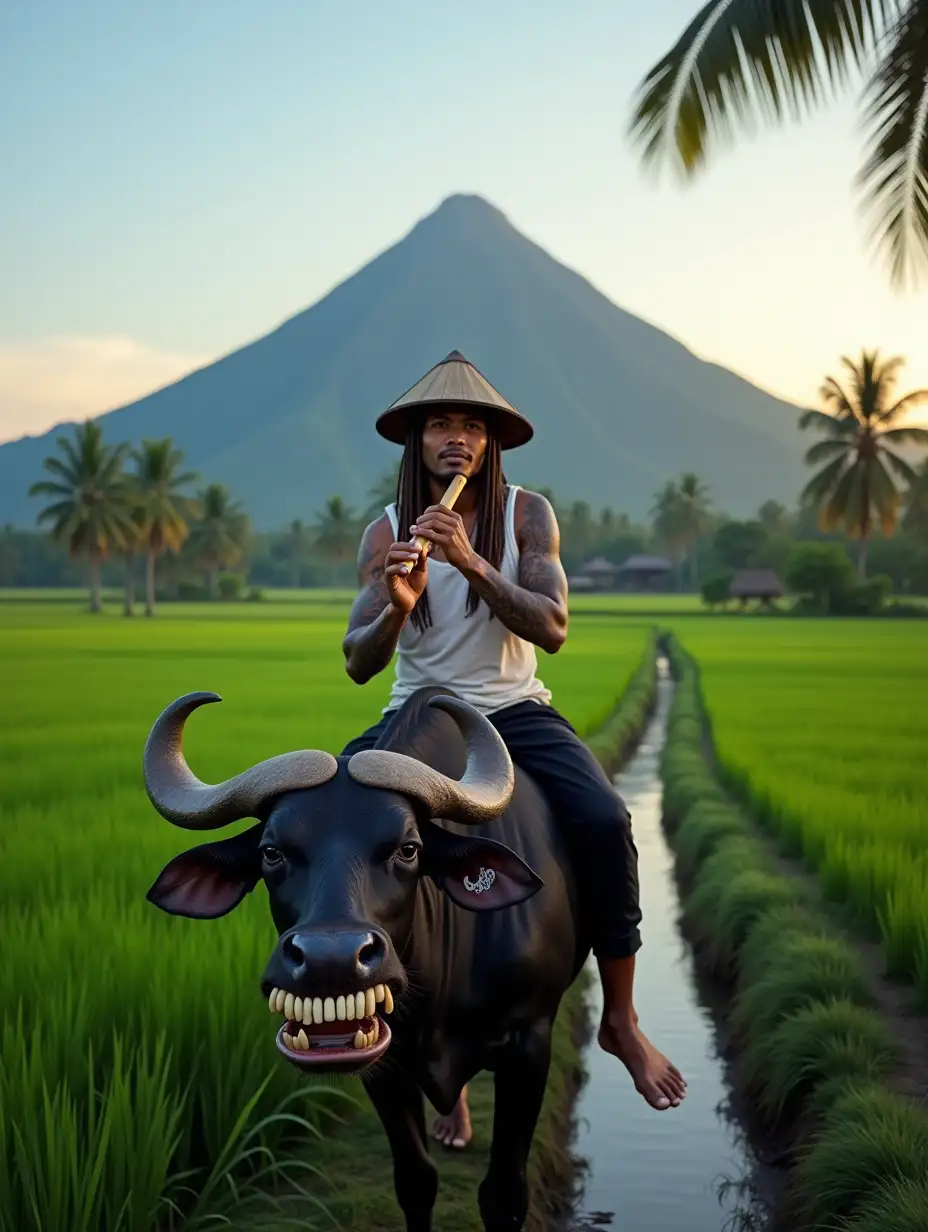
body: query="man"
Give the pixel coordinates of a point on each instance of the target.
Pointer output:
(467, 615)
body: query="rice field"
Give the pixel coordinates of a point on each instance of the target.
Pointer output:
(823, 727)
(136, 1059)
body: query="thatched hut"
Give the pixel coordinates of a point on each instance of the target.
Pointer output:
(643, 572)
(760, 584)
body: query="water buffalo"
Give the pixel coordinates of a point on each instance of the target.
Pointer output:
(383, 914)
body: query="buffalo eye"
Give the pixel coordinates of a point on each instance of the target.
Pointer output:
(271, 856)
(408, 852)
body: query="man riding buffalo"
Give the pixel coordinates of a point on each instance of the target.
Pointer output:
(466, 615)
(414, 949)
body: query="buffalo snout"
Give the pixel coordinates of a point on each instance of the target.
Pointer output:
(331, 960)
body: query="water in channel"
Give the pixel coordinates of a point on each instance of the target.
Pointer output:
(650, 1171)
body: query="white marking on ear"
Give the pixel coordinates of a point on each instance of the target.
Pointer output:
(484, 881)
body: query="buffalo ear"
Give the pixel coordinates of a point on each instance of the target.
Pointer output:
(210, 881)
(476, 873)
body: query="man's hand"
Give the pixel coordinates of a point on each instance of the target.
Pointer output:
(445, 528)
(405, 575)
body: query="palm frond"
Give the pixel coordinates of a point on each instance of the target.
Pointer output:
(899, 465)
(884, 496)
(822, 482)
(740, 58)
(821, 451)
(904, 405)
(902, 436)
(832, 394)
(834, 425)
(894, 178)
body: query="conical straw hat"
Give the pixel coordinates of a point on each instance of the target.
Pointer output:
(455, 382)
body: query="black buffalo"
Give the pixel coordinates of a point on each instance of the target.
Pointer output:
(376, 904)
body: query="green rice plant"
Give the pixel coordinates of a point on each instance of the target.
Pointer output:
(898, 1206)
(822, 1042)
(798, 970)
(706, 824)
(614, 739)
(108, 1005)
(871, 1141)
(731, 891)
(820, 731)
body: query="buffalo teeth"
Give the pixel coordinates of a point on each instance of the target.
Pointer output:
(349, 1007)
(303, 1040)
(359, 1039)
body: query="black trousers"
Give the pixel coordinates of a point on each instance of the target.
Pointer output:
(599, 832)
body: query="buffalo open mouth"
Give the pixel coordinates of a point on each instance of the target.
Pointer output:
(346, 1031)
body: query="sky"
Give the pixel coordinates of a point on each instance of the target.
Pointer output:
(177, 179)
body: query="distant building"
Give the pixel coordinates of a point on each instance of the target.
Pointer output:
(597, 574)
(760, 584)
(643, 572)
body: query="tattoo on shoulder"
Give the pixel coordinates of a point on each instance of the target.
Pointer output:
(539, 529)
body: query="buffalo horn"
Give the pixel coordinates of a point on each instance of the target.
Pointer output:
(481, 794)
(181, 798)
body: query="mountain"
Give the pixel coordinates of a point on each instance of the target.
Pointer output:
(619, 407)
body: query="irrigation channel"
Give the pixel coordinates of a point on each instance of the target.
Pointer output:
(691, 1168)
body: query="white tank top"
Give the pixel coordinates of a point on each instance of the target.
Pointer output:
(476, 657)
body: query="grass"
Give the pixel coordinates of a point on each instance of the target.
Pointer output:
(109, 1006)
(820, 729)
(812, 1054)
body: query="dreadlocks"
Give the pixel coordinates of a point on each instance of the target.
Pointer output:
(413, 496)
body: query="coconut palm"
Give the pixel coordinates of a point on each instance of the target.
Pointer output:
(738, 59)
(681, 514)
(854, 488)
(219, 537)
(382, 493)
(297, 542)
(92, 507)
(164, 509)
(695, 508)
(669, 522)
(336, 530)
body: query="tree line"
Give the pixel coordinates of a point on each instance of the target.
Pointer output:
(114, 506)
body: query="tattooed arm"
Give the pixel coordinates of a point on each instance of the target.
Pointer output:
(536, 608)
(384, 602)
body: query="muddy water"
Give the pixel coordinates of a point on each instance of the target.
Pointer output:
(687, 1169)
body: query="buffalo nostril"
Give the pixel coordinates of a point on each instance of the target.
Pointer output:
(373, 951)
(293, 951)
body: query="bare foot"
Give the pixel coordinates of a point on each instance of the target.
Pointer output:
(454, 1130)
(659, 1081)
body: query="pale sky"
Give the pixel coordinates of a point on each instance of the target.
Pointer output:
(177, 178)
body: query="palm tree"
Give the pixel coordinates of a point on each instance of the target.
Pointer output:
(669, 523)
(164, 509)
(741, 58)
(695, 505)
(218, 538)
(855, 487)
(336, 531)
(92, 509)
(382, 493)
(296, 543)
